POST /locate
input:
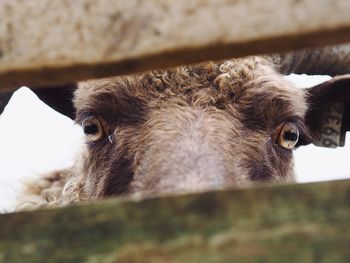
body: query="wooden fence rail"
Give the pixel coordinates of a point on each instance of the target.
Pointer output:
(287, 223)
(51, 42)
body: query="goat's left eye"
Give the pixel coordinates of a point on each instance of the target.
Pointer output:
(92, 128)
(288, 136)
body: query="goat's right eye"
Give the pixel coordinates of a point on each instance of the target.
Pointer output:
(93, 129)
(289, 136)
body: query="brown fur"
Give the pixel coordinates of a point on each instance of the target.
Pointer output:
(192, 128)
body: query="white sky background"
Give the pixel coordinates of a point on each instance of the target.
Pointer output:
(35, 139)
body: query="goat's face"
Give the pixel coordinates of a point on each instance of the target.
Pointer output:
(189, 129)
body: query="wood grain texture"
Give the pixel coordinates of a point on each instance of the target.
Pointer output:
(287, 223)
(51, 42)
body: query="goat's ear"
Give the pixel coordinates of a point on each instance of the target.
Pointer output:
(60, 98)
(328, 115)
(4, 99)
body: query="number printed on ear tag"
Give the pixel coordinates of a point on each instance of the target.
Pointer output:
(329, 132)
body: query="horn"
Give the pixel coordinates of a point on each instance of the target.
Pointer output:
(331, 61)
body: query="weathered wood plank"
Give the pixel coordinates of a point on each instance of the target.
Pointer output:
(290, 223)
(50, 42)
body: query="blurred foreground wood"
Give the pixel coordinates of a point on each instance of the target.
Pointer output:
(51, 42)
(288, 223)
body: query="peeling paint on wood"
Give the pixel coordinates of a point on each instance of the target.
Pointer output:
(51, 42)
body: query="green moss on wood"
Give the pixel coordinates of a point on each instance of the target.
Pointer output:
(286, 223)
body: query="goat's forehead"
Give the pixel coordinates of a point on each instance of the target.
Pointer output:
(249, 80)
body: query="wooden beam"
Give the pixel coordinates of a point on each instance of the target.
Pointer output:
(52, 42)
(286, 223)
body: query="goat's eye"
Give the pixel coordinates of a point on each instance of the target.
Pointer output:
(92, 128)
(288, 136)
